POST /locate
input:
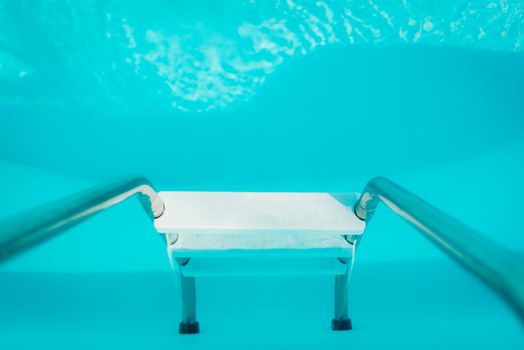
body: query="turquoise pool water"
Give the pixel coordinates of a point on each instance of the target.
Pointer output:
(260, 96)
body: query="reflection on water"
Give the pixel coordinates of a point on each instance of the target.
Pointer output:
(163, 56)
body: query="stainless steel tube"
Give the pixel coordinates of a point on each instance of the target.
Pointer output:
(189, 323)
(341, 320)
(38, 225)
(497, 267)
(188, 296)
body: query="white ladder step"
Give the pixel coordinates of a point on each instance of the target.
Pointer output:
(259, 245)
(257, 212)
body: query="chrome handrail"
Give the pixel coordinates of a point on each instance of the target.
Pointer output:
(497, 267)
(38, 225)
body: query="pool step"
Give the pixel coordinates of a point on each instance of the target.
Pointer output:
(260, 233)
(261, 212)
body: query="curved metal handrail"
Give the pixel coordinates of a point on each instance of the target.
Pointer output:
(497, 267)
(38, 225)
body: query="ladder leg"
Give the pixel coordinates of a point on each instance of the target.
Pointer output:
(341, 321)
(189, 323)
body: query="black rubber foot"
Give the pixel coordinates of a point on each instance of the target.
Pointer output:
(188, 328)
(341, 325)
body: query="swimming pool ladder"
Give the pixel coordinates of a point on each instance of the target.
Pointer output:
(497, 267)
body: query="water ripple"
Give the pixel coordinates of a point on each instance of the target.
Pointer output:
(100, 55)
